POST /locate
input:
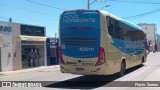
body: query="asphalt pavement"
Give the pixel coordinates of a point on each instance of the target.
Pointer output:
(149, 71)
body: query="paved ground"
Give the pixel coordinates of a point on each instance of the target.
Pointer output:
(150, 71)
(30, 70)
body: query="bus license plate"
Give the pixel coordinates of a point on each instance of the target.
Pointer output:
(79, 69)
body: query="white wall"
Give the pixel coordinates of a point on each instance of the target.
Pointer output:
(150, 30)
(17, 61)
(6, 61)
(14, 62)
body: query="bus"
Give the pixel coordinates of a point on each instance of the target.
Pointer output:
(95, 42)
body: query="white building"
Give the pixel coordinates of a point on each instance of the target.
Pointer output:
(17, 41)
(158, 42)
(5, 46)
(150, 30)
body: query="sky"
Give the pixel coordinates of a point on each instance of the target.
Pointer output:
(46, 12)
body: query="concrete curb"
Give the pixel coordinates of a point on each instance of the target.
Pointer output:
(28, 70)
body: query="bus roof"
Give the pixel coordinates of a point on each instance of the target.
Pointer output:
(81, 10)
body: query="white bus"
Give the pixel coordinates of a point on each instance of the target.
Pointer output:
(95, 42)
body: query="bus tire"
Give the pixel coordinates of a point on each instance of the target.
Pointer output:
(142, 61)
(123, 68)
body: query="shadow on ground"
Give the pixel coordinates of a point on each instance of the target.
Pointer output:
(88, 82)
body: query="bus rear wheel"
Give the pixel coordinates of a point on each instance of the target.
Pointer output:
(123, 68)
(142, 61)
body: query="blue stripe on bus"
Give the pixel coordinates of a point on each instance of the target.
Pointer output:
(72, 47)
(129, 47)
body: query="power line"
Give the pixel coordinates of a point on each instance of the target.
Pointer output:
(89, 4)
(92, 2)
(4, 18)
(134, 2)
(45, 5)
(143, 14)
(105, 7)
(27, 10)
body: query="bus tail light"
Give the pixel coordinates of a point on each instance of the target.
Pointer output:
(98, 11)
(101, 58)
(60, 55)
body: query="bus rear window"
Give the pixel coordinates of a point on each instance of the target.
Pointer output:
(81, 19)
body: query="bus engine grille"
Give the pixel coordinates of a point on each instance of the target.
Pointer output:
(80, 41)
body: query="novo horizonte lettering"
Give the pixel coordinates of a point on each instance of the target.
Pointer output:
(77, 19)
(5, 29)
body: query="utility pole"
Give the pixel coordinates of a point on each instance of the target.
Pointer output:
(10, 19)
(55, 36)
(88, 4)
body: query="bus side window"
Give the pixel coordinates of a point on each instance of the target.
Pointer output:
(113, 28)
(108, 22)
(118, 32)
(111, 25)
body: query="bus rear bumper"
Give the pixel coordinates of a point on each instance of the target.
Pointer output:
(81, 70)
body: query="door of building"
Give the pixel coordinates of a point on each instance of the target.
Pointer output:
(52, 56)
(27, 57)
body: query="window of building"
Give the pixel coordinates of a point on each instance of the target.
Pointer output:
(32, 30)
(32, 54)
